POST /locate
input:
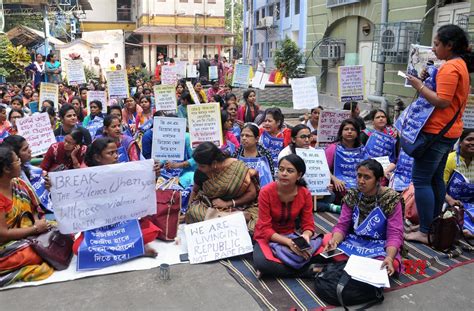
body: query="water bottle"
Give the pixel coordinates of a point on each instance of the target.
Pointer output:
(334, 208)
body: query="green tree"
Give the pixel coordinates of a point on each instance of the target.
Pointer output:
(238, 20)
(13, 59)
(34, 21)
(287, 58)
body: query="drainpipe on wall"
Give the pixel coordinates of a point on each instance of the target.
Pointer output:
(381, 66)
(379, 99)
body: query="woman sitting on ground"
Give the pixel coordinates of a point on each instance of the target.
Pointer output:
(226, 183)
(313, 121)
(231, 144)
(65, 155)
(127, 147)
(371, 221)
(95, 119)
(280, 204)
(69, 122)
(17, 197)
(250, 110)
(273, 135)
(14, 115)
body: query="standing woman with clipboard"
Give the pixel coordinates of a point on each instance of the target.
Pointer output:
(444, 126)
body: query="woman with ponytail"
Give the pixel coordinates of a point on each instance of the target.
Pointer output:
(450, 44)
(250, 110)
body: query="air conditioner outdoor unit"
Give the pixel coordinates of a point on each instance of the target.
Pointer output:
(268, 21)
(332, 51)
(396, 39)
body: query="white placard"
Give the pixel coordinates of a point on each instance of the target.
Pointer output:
(93, 197)
(168, 138)
(180, 69)
(191, 71)
(260, 80)
(305, 93)
(168, 75)
(97, 95)
(351, 85)
(218, 238)
(75, 72)
(241, 76)
(49, 91)
(384, 161)
(165, 97)
(468, 115)
(204, 122)
(37, 131)
(317, 176)
(329, 123)
(193, 93)
(213, 74)
(117, 84)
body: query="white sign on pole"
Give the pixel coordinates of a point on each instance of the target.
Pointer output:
(93, 197)
(49, 91)
(305, 93)
(97, 95)
(165, 97)
(37, 131)
(351, 83)
(191, 71)
(213, 74)
(241, 76)
(468, 115)
(168, 75)
(260, 79)
(168, 138)
(218, 238)
(117, 84)
(317, 176)
(204, 122)
(75, 72)
(193, 93)
(384, 161)
(329, 122)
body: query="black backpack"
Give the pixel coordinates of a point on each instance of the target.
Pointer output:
(337, 288)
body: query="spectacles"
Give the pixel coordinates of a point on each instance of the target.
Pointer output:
(304, 136)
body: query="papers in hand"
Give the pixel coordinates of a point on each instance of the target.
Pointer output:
(402, 74)
(367, 270)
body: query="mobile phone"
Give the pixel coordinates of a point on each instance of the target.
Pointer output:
(332, 253)
(301, 243)
(184, 257)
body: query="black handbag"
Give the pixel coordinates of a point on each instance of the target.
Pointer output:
(423, 143)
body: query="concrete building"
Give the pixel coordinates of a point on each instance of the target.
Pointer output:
(182, 29)
(349, 32)
(267, 22)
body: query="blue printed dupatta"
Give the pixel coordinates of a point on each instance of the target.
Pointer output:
(37, 182)
(261, 165)
(459, 188)
(273, 144)
(401, 177)
(345, 163)
(380, 144)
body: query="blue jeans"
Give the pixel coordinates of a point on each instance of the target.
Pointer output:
(427, 175)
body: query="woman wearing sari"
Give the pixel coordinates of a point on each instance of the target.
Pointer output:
(18, 261)
(127, 147)
(222, 184)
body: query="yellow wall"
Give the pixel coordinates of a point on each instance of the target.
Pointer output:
(92, 26)
(171, 20)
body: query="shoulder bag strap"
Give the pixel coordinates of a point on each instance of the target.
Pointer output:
(345, 278)
(18, 220)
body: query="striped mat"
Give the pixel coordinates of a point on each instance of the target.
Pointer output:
(285, 294)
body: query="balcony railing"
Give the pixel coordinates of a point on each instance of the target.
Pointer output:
(335, 3)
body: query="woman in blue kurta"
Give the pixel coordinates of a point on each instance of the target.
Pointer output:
(53, 69)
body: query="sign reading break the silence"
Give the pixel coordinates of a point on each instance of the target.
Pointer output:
(168, 138)
(98, 196)
(37, 132)
(218, 238)
(204, 122)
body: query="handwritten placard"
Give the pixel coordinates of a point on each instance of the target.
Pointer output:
(180, 69)
(305, 93)
(260, 80)
(241, 76)
(97, 95)
(117, 84)
(468, 116)
(165, 97)
(329, 122)
(75, 72)
(350, 83)
(204, 122)
(384, 161)
(168, 138)
(49, 91)
(193, 93)
(37, 131)
(218, 238)
(213, 75)
(191, 71)
(98, 196)
(317, 176)
(168, 75)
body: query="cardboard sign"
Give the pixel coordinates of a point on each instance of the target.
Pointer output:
(191, 71)
(168, 138)
(468, 116)
(241, 76)
(75, 72)
(98, 196)
(317, 176)
(213, 74)
(350, 83)
(168, 75)
(193, 93)
(260, 80)
(117, 84)
(218, 238)
(329, 123)
(37, 131)
(110, 245)
(384, 161)
(97, 95)
(305, 93)
(49, 91)
(204, 123)
(165, 98)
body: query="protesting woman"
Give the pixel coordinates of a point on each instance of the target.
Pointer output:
(147, 112)
(222, 185)
(68, 117)
(186, 99)
(231, 144)
(254, 155)
(300, 138)
(450, 99)
(53, 69)
(250, 110)
(76, 102)
(36, 70)
(18, 262)
(27, 95)
(127, 147)
(14, 115)
(231, 107)
(95, 119)
(200, 92)
(67, 154)
(280, 204)
(355, 113)
(371, 221)
(273, 136)
(132, 114)
(313, 122)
